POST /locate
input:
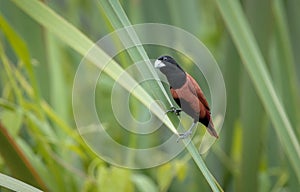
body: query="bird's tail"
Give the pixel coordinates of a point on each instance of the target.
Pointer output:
(211, 129)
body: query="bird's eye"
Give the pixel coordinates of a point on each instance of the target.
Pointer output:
(165, 58)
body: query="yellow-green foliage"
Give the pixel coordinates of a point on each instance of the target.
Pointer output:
(255, 43)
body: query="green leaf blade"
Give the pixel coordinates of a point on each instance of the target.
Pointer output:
(256, 67)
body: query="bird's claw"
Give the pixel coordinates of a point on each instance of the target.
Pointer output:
(174, 110)
(183, 135)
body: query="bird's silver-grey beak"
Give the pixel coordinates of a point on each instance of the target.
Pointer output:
(159, 64)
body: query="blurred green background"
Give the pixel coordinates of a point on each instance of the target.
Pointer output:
(39, 142)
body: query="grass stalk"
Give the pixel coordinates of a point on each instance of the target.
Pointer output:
(245, 42)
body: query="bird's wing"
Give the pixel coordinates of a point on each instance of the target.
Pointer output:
(197, 91)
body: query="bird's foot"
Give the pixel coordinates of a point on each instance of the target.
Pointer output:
(184, 135)
(174, 110)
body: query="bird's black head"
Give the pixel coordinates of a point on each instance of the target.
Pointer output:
(167, 63)
(169, 67)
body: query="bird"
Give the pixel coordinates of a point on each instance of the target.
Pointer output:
(187, 94)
